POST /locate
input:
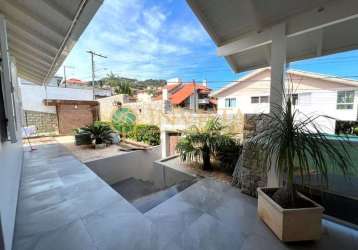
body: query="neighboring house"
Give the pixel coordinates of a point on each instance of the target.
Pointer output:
(312, 94)
(187, 95)
(57, 110)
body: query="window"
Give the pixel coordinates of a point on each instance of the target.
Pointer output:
(260, 99)
(255, 99)
(264, 99)
(345, 99)
(230, 102)
(294, 99)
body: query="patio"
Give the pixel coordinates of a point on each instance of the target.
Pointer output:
(64, 205)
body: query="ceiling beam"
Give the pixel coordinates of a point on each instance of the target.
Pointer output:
(30, 15)
(15, 24)
(18, 53)
(59, 9)
(29, 49)
(34, 44)
(333, 12)
(34, 66)
(30, 68)
(15, 27)
(28, 77)
(22, 71)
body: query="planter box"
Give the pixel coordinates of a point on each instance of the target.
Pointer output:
(100, 146)
(299, 224)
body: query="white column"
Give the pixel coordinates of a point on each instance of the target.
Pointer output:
(278, 62)
(164, 142)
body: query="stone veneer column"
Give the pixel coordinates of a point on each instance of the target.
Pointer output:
(247, 175)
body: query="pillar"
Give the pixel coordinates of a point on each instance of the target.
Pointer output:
(278, 63)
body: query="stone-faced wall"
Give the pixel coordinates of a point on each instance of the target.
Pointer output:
(171, 120)
(45, 123)
(247, 175)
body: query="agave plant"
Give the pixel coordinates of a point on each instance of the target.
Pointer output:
(100, 132)
(296, 147)
(202, 143)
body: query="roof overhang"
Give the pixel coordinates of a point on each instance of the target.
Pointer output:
(41, 33)
(291, 75)
(56, 102)
(242, 29)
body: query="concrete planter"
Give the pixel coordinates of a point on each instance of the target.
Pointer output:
(301, 224)
(100, 146)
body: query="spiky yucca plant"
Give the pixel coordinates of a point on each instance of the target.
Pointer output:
(202, 143)
(296, 146)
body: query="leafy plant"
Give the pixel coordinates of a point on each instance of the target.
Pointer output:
(203, 143)
(228, 154)
(100, 133)
(146, 133)
(295, 146)
(124, 88)
(123, 121)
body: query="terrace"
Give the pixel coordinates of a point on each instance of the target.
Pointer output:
(64, 205)
(52, 200)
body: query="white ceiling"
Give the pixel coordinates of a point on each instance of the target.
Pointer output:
(41, 33)
(242, 28)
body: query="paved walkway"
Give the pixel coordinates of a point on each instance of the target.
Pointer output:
(64, 205)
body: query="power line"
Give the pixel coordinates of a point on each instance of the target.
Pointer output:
(93, 54)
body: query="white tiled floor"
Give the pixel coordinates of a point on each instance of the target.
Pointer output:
(63, 205)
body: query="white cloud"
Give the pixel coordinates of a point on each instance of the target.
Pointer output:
(139, 41)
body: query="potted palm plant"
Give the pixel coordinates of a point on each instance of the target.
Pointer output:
(294, 147)
(100, 134)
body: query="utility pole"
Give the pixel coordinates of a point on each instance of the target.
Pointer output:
(93, 67)
(64, 73)
(195, 95)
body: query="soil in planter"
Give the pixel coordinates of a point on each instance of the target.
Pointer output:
(300, 202)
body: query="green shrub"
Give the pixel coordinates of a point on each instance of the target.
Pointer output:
(355, 131)
(228, 153)
(104, 123)
(146, 133)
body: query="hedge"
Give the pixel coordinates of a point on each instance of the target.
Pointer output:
(146, 133)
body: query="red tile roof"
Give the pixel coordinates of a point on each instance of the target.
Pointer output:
(75, 81)
(186, 91)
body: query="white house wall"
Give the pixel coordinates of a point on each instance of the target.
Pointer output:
(322, 98)
(33, 96)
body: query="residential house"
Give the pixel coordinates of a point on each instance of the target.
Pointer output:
(191, 96)
(312, 94)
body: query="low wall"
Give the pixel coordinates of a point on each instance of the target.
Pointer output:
(126, 165)
(144, 165)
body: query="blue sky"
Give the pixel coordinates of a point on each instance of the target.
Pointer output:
(162, 40)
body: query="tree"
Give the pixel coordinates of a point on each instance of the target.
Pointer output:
(123, 88)
(296, 147)
(203, 143)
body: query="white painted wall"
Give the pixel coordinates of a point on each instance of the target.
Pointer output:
(33, 96)
(11, 157)
(315, 97)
